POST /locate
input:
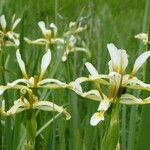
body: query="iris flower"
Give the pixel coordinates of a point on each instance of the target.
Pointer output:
(35, 81)
(117, 82)
(71, 46)
(143, 37)
(49, 35)
(32, 102)
(72, 39)
(9, 37)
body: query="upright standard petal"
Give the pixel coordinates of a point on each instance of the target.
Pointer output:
(140, 61)
(16, 23)
(3, 22)
(45, 62)
(114, 54)
(91, 69)
(21, 64)
(123, 61)
(41, 24)
(53, 26)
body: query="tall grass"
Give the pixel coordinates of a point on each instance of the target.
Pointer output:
(108, 21)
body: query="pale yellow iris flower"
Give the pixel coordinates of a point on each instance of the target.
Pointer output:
(31, 102)
(34, 81)
(49, 35)
(117, 82)
(8, 37)
(143, 37)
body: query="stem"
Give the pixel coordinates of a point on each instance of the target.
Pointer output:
(111, 136)
(31, 127)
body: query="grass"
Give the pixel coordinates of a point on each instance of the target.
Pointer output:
(108, 21)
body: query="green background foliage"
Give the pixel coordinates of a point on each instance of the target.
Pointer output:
(108, 21)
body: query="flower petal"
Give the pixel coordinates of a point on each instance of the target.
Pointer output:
(2, 89)
(16, 23)
(92, 94)
(123, 61)
(14, 83)
(41, 24)
(143, 37)
(49, 106)
(50, 81)
(21, 64)
(91, 69)
(41, 41)
(57, 41)
(140, 61)
(99, 116)
(96, 118)
(135, 83)
(132, 100)
(104, 105)
(46, 59)
(53, 26)
(19, 106)
(113, 51)
(3, 22)
(75, 86)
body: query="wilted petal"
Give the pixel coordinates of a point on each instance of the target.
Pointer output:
(19, 106)
(45, 62)
(96, 118)
(91, 69)
(16, 23)
(49, 106)
(3, 22)
(41, 24)
(21, 64)
(140, 61)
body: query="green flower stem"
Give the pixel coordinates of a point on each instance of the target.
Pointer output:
(111, 136)
(31, 127)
